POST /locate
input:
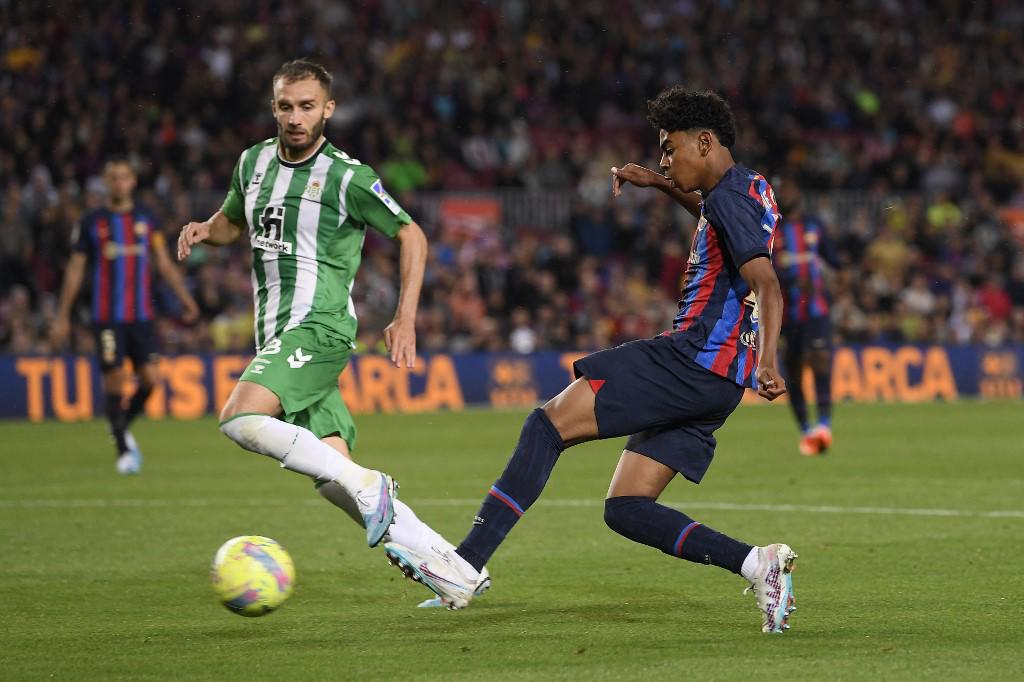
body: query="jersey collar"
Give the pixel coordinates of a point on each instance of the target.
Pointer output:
(304, 162)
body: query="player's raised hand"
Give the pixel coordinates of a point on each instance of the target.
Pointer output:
(633, 174)
(400, 339)
(770, 383)
(191, 234)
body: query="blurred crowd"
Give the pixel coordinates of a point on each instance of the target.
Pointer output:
(915, 108)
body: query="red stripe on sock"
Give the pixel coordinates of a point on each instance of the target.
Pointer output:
(682, 538)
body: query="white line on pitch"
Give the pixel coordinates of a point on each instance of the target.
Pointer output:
(472, 502)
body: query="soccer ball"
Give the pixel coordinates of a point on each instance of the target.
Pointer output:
(252, 575)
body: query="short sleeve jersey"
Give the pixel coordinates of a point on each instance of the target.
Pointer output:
(119, 247)
(307, 222)
(806, 245)
(716, 325)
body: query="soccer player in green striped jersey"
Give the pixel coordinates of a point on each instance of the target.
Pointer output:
(305, 206)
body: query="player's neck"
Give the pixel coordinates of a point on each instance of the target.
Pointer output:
(718, 166)
(122, 206)
(304, 156)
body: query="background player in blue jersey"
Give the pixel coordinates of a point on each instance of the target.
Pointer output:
(120, 243)
(668, 394)
(803, 255)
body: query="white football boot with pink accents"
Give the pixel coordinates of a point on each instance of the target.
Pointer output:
(773, 586)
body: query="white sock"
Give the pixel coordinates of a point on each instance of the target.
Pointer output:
(749, 565)
(297, 449)
(408, 530)
(333, 492)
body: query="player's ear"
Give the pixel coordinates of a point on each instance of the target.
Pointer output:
(329, 109)
(704, 142)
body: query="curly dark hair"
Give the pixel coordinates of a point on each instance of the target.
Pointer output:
(680, 109)
(301, 69)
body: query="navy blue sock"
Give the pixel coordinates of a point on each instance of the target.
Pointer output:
(643, 520)
(823, 396)
(519, 487)
(137, 403)
(116, 417)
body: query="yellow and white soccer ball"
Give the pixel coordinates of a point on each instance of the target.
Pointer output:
(252, 575)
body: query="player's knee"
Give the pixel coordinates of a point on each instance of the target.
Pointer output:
(620, 513)
(571, 412)
(539, 422)
(245, 430)
(232, 408)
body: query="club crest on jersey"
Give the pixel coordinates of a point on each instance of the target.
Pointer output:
(755, 311)
(384, 197)
(140, 227)
(314, 190)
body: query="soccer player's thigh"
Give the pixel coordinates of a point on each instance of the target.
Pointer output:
(653, 457)
(329, 420)
(141, 347)
(642, 385)
(290, 373)
(110, 351)
(637, 475)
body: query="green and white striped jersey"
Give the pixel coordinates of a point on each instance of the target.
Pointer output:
(307, 222)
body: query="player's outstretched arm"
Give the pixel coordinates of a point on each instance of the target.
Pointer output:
(217, 231)
(172, 275)
(640, 176)
(73, 276)
(400, 335)
(760, 276)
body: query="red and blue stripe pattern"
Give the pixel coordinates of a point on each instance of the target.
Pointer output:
(702, 274)
(682, 538)
(802, 279)
(119, 247)
(506, 500)
(716, 324)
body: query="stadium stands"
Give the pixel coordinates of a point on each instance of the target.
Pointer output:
(907, 131)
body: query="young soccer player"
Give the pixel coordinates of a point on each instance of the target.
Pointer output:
(670, 393)
(803, 254)
(121, 243)
(304, 206)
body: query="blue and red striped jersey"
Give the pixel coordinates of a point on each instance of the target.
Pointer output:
(801, 246)
(119, 246)
(716, 325)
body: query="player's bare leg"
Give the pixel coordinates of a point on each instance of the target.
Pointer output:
(250, 419)
(572, 413)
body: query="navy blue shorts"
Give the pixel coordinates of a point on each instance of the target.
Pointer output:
(668, 405)
(115, 342)
(801, 337)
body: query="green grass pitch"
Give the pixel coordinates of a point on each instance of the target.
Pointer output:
(909, 532)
